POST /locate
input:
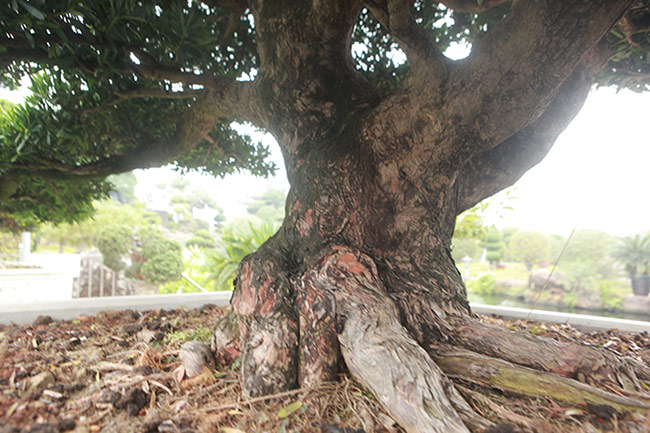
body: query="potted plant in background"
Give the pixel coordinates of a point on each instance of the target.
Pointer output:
(634, 253)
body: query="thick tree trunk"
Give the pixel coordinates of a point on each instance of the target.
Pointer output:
(360, 275)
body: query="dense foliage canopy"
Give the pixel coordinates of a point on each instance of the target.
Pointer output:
(123, 84)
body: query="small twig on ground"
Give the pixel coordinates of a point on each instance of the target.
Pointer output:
(112, 366)
(255, 400)
(161, 386)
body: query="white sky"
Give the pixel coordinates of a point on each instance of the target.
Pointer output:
(597, 175)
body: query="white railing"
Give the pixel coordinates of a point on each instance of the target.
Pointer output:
(69, 309)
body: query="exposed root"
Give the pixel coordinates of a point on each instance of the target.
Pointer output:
(268, 325)
(469, 416)
(585, 363)
(526, 381)
(381, 355)
(296, 331)
(269, 356)
(319, 348)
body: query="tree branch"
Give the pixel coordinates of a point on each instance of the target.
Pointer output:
(144, 93)
(497, 168)
(21, 50)
(419, 45)
(22, 54)
(636, 21)
(515, 72)
(237, 100)
(472, 6)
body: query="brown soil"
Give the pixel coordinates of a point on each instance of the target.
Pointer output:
(117, 372)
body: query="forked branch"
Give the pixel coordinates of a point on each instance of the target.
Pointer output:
(515, 72)
(498, 168)
(426, 59)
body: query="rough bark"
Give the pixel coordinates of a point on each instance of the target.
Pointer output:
(360, 276)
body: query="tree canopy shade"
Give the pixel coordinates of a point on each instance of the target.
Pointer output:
(381, 155)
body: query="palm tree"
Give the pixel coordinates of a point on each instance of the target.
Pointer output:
(634, 253)
(237, 241)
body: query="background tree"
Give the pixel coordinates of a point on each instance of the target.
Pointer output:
(529, 247)
(143, 254)
(183, 200)
(123, 190)
(586, 259)
(381, 155)
(633, 252)
(202, 239)
(494, 245)
(268, 206)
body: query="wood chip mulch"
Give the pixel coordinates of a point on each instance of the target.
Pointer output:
(118, 372)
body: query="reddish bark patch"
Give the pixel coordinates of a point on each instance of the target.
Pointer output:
(305, 224)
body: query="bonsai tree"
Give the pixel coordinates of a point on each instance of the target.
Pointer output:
(145, 255)
(529, 247)
(381, 155)
(202, 239)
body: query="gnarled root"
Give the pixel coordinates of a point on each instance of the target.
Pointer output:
(527, 381)
(379, 352)
(268, 325)
(577, 361)
(296, 331)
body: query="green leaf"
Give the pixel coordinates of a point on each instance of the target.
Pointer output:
(30, 39)
(32, 10)
(289, 409)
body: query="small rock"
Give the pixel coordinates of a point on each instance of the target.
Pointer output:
(144, 370)
(58, 388)
(40, 381)
(153, 325)
(72, 388)
(108, 396)
(67, 424)
(42, 320)
(146, 336)
(131, 329)
(4, 348)
(195, 357)
(53, 394)
(133, 401)
(501, 428)
(130, 314)
(151, 421)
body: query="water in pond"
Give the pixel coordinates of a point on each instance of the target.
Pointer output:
(508, 301)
